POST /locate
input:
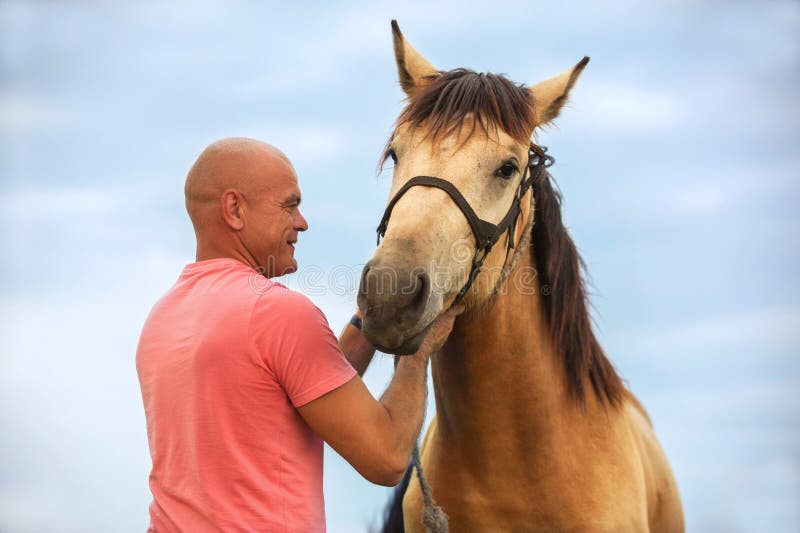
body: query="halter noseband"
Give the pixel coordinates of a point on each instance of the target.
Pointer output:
(486, 233)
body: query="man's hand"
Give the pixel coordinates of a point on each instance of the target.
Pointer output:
(355, 347)
(438, 333)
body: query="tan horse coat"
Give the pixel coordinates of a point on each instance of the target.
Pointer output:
(509, 449)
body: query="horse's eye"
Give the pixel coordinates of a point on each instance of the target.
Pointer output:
(506, 171)
(391, 153)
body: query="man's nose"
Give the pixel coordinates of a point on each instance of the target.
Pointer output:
(300, 223)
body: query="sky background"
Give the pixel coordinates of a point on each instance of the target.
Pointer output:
(677, 158)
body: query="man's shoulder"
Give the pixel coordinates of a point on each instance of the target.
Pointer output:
(283, 315)
(281, 301)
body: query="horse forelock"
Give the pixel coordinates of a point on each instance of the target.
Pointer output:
(450, 98)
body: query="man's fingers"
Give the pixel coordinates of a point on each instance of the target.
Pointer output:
(451, 314)
(453, 311)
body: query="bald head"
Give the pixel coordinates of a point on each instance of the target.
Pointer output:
(243, 199)
(234, 163)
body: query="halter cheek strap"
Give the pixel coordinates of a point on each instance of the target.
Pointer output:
(486, 233)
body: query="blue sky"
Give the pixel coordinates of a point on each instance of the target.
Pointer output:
(677, 159)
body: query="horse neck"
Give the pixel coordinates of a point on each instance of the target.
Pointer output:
(498, 372)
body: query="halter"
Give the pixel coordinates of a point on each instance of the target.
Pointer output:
(486, 233)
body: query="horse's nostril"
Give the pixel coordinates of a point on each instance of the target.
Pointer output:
(423, 286)
(362, 289)
(363, 297)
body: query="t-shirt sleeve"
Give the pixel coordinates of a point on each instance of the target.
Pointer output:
(296, 346)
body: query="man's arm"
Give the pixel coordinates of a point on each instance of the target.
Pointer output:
(355, 347)
(377, 437)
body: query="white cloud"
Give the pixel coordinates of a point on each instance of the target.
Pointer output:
(772, 330)
(329, 50)
(61, 202)
(614, 107)
(755, 337)
(310, 143)
(24, 114)
(55, 202)
(700, 187)
(737, 408)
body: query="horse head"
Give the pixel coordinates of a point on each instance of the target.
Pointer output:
(458, 201)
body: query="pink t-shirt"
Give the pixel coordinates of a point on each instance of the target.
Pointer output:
(224, 359)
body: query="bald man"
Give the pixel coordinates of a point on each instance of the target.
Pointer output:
(242, 379)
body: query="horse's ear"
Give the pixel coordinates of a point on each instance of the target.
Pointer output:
(549, 96)
(414, 70)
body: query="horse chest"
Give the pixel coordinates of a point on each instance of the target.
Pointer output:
(480, 512)
(529, 497)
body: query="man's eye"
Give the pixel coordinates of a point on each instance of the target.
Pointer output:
(506, 171)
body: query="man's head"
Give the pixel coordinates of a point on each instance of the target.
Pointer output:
(243, 199)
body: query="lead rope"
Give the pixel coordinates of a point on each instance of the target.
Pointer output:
(433, 517)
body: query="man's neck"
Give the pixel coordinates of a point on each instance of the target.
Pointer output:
(206, 252)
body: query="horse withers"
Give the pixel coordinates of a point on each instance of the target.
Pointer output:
(534, 430)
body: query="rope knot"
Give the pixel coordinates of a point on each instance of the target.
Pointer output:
(433, 517)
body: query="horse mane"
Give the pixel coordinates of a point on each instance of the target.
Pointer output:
(494, 101)
(560, 267)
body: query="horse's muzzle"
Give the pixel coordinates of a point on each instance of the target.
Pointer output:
(395, 303)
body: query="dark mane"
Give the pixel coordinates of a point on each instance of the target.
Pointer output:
(496, 102)
(560, 267)
(451, 97)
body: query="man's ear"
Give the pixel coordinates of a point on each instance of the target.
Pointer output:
(231, 205)
(414, 70)
(549, 96)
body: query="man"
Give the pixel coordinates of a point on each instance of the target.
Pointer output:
(242, 378)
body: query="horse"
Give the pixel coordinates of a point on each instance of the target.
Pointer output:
(534, 429)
